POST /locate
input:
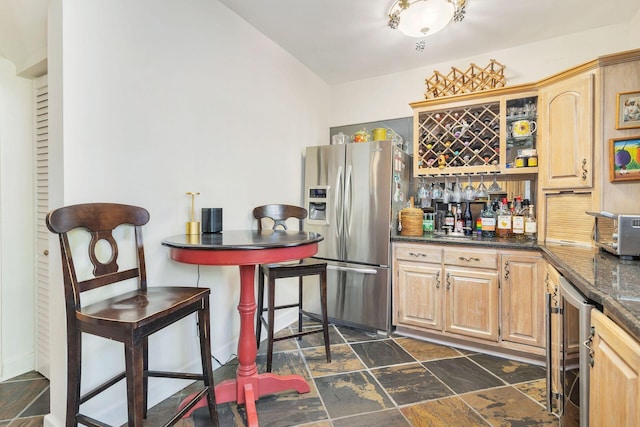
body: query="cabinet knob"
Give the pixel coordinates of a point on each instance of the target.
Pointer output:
(46, 252)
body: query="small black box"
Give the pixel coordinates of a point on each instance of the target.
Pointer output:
(211, 220)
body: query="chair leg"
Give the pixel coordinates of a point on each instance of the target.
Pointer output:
(145, 378)
(204, 328)
(272, 300)
(300, 306)
(325, 317)
(260, 305)
(74, 371)
(134, 363)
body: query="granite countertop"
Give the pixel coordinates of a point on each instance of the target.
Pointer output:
(611, 283)
(475, 240)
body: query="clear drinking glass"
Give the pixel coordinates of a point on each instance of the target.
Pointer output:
(457, 192)
(481, 191)
(447, 194)
(469, 191)
(436, 191)
(495, 187)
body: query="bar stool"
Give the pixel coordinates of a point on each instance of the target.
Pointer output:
(128, 317)
(279, 214)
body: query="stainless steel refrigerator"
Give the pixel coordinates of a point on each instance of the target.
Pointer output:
(353, 193)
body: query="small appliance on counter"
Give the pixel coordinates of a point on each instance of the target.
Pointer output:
(617, 233)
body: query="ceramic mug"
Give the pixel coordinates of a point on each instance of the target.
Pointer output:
(382, 134)
(523, 128)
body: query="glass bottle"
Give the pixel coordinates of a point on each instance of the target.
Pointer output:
(531, 225)
(459, 226)
(468, 220)
(503, 225)
(488, 222)
(449, 219)
(518, 219)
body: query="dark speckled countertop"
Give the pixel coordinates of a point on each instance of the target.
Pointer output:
(611, 283)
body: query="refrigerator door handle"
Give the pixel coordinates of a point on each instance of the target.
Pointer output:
(338, 205)
(352, 269)
(347, 201)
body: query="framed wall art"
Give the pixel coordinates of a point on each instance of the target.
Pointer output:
(624, 159)
(628, 110)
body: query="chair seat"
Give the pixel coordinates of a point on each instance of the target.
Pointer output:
(298, 267)
(140, 307)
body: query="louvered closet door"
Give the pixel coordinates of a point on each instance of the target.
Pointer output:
(41, 141)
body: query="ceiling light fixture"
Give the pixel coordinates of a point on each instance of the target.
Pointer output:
(422, 18)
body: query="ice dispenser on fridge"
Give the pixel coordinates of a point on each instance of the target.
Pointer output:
(318, 204)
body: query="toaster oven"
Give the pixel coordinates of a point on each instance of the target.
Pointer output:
(617, 233)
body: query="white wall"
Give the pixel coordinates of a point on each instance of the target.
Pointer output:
(17, 289)
(389, 96)
(157, 98)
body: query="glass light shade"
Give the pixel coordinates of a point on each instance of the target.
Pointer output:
(425, 17)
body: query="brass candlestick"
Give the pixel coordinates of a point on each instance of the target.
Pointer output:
(193, 226)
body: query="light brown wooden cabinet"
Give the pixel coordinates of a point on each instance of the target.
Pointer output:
(522, 298)
(461, 293)
(471, 302)
(614, 389)
(566, 133)
(471, 292)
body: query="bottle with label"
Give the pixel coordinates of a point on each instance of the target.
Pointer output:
(479, 224)
(449, 219)
(468, 220)
(531, 225)
(518, 219)
(503, 225)
(488, 222)
(459, 226)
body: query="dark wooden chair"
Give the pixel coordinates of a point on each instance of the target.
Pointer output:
(129, 317)
(279, 214)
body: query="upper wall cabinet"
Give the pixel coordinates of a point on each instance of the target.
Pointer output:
(475, 133)
(566, 134)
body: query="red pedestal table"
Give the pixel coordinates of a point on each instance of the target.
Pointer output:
(246, 249)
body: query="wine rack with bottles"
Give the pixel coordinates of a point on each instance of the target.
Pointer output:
(475, 134)
(466, 137)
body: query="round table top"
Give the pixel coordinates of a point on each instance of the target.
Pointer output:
(242, 240)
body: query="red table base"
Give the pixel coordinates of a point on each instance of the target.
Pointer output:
(248, 385)
(249, 389)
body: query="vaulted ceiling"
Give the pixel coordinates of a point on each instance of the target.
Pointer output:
(345, 40)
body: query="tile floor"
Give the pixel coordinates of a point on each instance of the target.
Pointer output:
(372, 381)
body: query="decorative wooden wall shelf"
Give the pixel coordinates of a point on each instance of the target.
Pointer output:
(474, 79)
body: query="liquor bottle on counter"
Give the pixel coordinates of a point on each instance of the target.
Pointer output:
(468, 220)
(459, 226)
(449, 220)
(531, 225)
(488, 222)
(518, 219)
(503, 225)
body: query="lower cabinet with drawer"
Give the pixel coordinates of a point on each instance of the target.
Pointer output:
(482, 297)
